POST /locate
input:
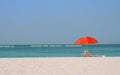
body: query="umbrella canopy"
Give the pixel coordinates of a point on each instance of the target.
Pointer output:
(86, 40)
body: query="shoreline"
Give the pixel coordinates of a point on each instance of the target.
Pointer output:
(60, 66)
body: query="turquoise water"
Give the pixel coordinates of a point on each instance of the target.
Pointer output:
(58, 50)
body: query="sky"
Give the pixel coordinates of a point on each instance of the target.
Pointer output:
(59, 21)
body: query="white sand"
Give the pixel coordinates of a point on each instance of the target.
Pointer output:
(60, 66)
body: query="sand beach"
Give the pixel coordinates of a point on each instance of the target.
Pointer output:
(60, 66)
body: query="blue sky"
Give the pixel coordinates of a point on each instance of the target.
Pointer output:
(59, 21)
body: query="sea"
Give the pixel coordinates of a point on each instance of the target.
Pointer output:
(58, 50)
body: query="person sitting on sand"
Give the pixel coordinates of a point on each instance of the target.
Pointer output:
(86, 54)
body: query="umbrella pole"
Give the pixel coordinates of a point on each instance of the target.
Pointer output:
(86, 47)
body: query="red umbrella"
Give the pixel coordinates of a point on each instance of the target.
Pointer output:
(86, 40)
